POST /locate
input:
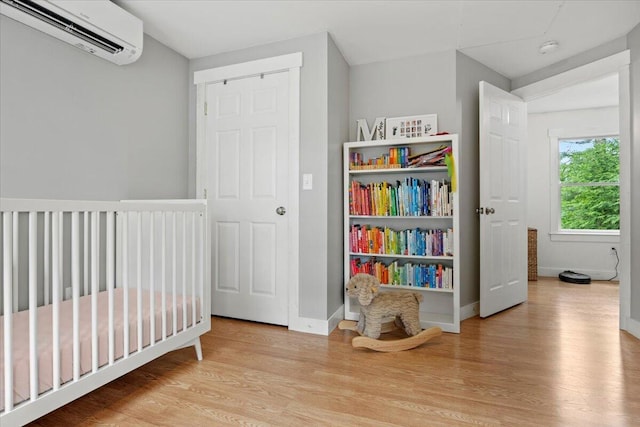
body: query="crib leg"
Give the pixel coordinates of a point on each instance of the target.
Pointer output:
(196, 344)
(198, 348)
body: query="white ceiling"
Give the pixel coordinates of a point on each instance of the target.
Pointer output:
(597, 93)
(503, 35)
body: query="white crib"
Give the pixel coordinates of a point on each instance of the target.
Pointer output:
(92, 290)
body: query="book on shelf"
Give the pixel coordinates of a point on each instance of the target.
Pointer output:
(368, 239)
(432, 276)
(407, 197)
(400, 157)
(397, 157)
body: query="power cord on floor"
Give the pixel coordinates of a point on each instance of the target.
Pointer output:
(615, 252)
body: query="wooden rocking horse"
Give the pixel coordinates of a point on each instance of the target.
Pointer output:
(384, 312)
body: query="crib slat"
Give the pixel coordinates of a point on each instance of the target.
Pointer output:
(152, 294)
(125, 283)
(16, 257)
(94, 291)
(174, 287)
(203, 269)
(75, 290)
(86, 253)
(139, 277)
(193, 269)
(61, 253)
(7, 233)
(184, 271)
(33, 305)
(164, 274)
(98, 246)
(110, 282)
(55, 296)
(47, 262)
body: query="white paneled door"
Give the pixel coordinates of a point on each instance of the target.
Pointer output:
(247, 131)
(503, 231)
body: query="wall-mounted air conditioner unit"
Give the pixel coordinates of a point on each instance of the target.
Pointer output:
(96, 26)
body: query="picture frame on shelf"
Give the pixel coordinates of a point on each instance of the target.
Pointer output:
(411, 126)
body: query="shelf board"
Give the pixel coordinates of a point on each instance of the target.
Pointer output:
(397, 170)
(441, 258)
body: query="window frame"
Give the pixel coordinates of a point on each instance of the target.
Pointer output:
(555, 232)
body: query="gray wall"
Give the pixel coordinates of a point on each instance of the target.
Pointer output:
(417, 85)
(469, 73)
(73, 126)
(313, 156)
(634, 44)
(338, 128)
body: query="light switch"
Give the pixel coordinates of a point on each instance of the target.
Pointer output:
(307, 181)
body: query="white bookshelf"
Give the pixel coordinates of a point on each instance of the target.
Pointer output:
(441, 306)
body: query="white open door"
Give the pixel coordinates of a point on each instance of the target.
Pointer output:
(503, 231)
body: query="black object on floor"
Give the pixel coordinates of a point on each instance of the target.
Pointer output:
(573, 277)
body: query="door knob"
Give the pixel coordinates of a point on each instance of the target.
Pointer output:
(281, 210)
(489, 211)
(480, 211)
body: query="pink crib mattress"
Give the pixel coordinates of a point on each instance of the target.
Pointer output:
(45, 336)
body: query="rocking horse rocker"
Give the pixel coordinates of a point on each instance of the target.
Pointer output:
(398, 309)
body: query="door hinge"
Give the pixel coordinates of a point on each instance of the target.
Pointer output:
(206, 108)
(205, 193)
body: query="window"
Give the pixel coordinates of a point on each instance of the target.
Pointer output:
(585, 190)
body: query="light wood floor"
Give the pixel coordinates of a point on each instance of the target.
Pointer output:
(557, 360)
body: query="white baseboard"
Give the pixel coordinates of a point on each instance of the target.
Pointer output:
(335, 318)
(317, 326)
(594, 274)
(633, 327)
(470, 310)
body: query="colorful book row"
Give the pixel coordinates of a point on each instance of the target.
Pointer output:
(398, 157)
(366, 239)
(409, 197)
(433, 276)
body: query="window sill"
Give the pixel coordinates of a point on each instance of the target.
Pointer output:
(586, 236)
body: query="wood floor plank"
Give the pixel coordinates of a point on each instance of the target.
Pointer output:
(557, 360)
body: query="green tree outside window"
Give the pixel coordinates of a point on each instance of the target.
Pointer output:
(590, 183)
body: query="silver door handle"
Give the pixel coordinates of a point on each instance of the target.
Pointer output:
(281, 210)
(480, 211)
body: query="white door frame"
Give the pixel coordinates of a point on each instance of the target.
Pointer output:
(619, 63)
(291, 63)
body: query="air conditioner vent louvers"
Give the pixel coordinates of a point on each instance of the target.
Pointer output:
(63, 23)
